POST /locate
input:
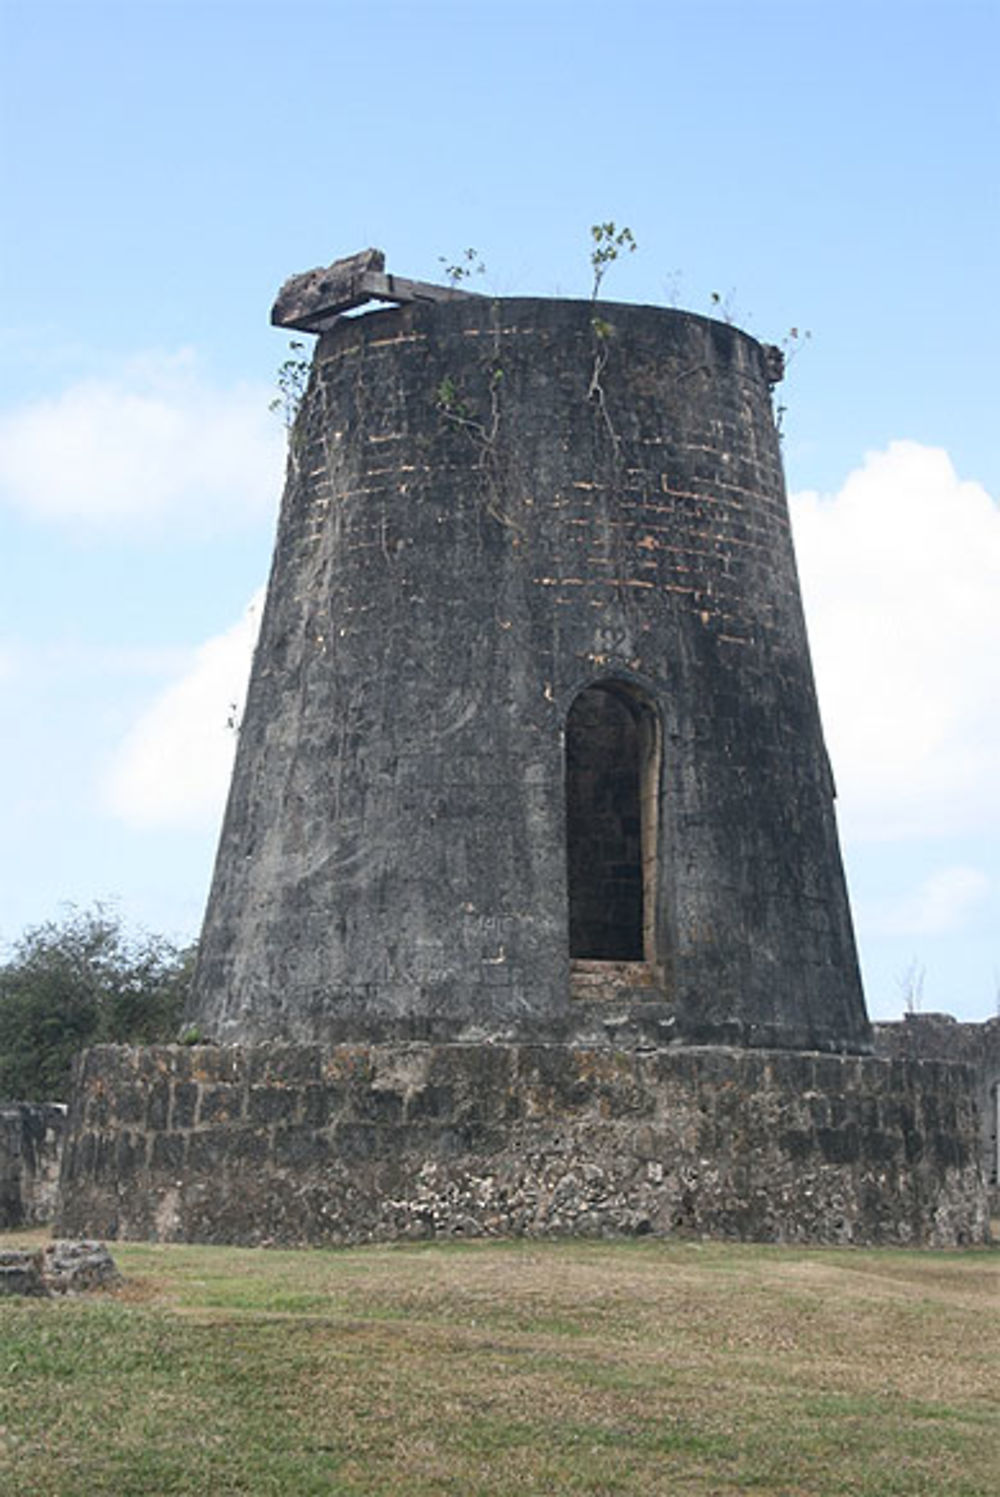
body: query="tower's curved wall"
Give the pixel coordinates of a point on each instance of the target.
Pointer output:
(491, 506)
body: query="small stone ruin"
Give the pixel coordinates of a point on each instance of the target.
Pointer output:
(57, 1268)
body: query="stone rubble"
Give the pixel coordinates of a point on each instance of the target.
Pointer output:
(58, 1268)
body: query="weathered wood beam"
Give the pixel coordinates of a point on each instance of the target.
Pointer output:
(322, 292)
(311, 302)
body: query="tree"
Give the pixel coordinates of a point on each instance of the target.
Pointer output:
(84, 981)
(911, 985)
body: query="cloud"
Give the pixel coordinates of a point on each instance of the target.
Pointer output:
(173, 769)
(156, 443)
(901, 580)
(78, 660)
(940, 906)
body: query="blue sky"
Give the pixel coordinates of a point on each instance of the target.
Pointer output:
(166, 165)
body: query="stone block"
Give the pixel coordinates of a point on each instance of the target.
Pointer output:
(158, 1104)
(184, 1104)
(31, 1146)
(219, 1102)
(271, 1103)
(21, 1273)
(167, 1154)
(77, 1267)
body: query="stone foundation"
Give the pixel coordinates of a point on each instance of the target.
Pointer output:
(348, 1144)
(31, 1135)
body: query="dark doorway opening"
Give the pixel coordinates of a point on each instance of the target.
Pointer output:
(612, 775)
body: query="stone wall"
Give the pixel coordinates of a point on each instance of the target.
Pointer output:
(306, 1144)
(31, 1136)
(941, 1037)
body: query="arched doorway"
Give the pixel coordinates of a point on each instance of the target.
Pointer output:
(612, 816)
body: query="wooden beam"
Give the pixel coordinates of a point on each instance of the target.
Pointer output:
(318, 293)
(312, 302)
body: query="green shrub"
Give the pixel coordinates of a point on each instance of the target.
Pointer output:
(83, 981)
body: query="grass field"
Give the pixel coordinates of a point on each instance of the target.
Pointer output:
(518, 1367)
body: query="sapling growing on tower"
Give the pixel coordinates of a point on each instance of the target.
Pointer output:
(464, 268)
(609, 243)
(292, 379)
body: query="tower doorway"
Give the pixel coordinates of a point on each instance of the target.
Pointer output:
(612, 806)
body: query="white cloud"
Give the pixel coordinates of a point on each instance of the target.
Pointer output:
(940, 906)
(173, 768)
(158, 442)
(78, 659)
(901, 578)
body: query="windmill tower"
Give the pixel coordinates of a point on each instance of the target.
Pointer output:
(531, 735)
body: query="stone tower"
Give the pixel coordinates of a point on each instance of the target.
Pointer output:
(531, 741)
(528, 915)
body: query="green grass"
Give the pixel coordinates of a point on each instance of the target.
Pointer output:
(495, 1368)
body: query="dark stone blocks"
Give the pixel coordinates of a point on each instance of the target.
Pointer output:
(363, 1143)
(185, 1103)
(566, 708)
(167, 1153)
(31, 1145)
(272, 1104)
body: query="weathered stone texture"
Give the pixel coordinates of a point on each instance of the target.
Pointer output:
(941, 1037)
(528, 915)
(309, 1144)
(57, 1268)
(21, 1272)
(78, 1267)
(490, 507)
(31, 1136)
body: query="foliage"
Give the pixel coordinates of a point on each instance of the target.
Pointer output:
(451, 403)
(83, 981)
(292, 379)
(722, 305)
(608, 244)
(793, 341)
(464, 268)
(791, 344)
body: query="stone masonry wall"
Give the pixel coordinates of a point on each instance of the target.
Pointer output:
(941, 1037)
(31, 1136)
(469, 539)
(303, 1144)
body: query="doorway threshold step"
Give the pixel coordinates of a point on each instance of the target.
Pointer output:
(590, 978)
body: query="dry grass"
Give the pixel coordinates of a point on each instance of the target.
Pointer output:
(639, 1367)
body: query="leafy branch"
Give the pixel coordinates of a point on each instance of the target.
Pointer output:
(292, 379)
(456, 411)
(609, 244)
(464, 268)
(791, 344)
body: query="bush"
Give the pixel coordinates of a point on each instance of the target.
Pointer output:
(84, 981)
